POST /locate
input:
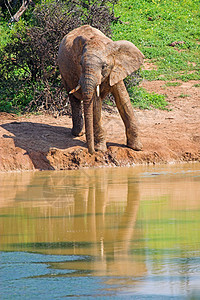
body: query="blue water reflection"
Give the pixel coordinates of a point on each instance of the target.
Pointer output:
(30, 276)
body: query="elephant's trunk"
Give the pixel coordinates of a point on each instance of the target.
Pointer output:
(88, 87)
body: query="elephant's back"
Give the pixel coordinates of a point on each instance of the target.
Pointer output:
(87, 32)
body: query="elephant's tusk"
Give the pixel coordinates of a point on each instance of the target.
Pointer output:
(98, 90)
(75, 90)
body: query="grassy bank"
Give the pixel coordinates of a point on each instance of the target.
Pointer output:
(167, 32)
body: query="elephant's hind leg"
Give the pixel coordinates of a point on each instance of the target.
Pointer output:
(77, 117)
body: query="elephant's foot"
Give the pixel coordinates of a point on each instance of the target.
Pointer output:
(100, 146)
(136, 145)
(77, 132)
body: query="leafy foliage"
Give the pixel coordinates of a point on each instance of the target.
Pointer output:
(29, 61)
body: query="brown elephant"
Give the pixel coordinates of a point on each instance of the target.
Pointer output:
(91, 66)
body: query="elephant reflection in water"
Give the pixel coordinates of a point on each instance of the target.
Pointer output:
(104, 218)
(89, 212)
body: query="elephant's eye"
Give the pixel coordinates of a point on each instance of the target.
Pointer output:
(104, 66)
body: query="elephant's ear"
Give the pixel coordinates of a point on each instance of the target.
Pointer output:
(127, 59)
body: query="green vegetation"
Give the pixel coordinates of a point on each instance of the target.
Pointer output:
(184, 95)
(29, 76)
(165, 31)
(174, 83)
(142, 99)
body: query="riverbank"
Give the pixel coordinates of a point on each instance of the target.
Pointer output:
(43, 142)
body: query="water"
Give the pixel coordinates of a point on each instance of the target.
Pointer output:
(126, 233)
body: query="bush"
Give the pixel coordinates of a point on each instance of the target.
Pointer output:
(30, 58)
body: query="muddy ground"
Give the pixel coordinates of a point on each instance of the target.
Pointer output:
(43, 142)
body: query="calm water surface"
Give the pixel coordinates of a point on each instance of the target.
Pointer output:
(129, 233)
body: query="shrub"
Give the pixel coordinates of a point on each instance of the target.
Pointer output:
(30, 58)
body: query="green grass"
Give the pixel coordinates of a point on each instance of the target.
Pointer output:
(142, 99)
(197, 85)
(152, 25)
(174, 83)
(184, 95)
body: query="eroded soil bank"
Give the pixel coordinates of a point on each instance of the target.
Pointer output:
(43, 142)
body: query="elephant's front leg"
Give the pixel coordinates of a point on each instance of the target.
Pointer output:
(126, 111)
(77, 118)
(99, 135)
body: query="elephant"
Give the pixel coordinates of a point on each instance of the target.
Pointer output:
(91, 67)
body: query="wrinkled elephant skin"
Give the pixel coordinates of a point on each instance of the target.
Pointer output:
(91, 66)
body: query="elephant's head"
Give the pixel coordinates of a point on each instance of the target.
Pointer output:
(102, 62)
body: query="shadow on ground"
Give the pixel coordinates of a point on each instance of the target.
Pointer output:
(38, 139)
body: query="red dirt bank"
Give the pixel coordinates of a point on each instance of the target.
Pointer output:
(42, 142)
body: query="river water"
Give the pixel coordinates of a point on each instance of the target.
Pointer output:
(126, 233)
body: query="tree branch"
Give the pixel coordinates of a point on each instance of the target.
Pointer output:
(20, 12)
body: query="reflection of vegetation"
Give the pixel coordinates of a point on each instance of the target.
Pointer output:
(169, 231)
(54, 245)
